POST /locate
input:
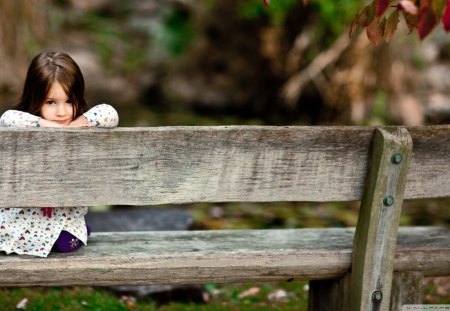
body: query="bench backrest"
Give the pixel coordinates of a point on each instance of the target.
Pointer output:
(137, 166)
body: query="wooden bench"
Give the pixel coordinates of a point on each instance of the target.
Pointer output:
(137, 166)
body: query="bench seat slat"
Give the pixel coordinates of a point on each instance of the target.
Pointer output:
(147, 166)
(219, 256)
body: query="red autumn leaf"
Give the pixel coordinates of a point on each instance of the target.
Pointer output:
(382, 5)
(363, 13)
(356, 21)
(382, 26)
(370, 15)
(266, 3)
(411, 21)
(446, 17)
(391, 25)
(353, 26)
(427, 20)
(374, 32)
(408, 6)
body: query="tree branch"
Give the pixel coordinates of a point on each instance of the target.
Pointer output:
(293, 88)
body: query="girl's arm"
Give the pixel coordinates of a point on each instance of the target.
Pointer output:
(103, 115)
(16, 118)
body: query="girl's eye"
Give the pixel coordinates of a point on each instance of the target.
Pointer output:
(50, 102)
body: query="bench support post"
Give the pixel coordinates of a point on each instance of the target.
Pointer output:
(376, 232)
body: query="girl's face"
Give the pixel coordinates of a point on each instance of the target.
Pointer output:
(57, 106)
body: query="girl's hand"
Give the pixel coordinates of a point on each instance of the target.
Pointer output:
(81, 121)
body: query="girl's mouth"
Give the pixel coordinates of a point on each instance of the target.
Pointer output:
(62, 121)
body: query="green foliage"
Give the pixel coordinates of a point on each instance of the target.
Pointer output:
(105, 34)
(251, 9)
(178, 34)
(334, 15)
(114, 43)
(172, 35)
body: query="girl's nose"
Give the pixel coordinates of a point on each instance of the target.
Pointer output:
(61, 109)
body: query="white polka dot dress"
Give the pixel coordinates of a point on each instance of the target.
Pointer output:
(33, 231)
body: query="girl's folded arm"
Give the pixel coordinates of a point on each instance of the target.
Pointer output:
(16, 118)
(103, 115)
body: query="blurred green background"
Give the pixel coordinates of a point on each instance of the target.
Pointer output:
(204, 62)
(209, 62)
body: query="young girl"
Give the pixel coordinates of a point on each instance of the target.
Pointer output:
(53, 96)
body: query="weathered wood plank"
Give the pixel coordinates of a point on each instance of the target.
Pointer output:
(138, 166)
(407, 288)
(219, 256)
(379, 216)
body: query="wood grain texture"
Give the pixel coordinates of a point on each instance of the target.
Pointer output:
(407, 289)
(138, 166)
(378, 221)
(219, 257)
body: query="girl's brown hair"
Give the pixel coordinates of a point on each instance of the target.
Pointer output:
(44, 70)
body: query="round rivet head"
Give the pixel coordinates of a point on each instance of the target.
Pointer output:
(397, 158)
(377, 296)
(389, 200)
